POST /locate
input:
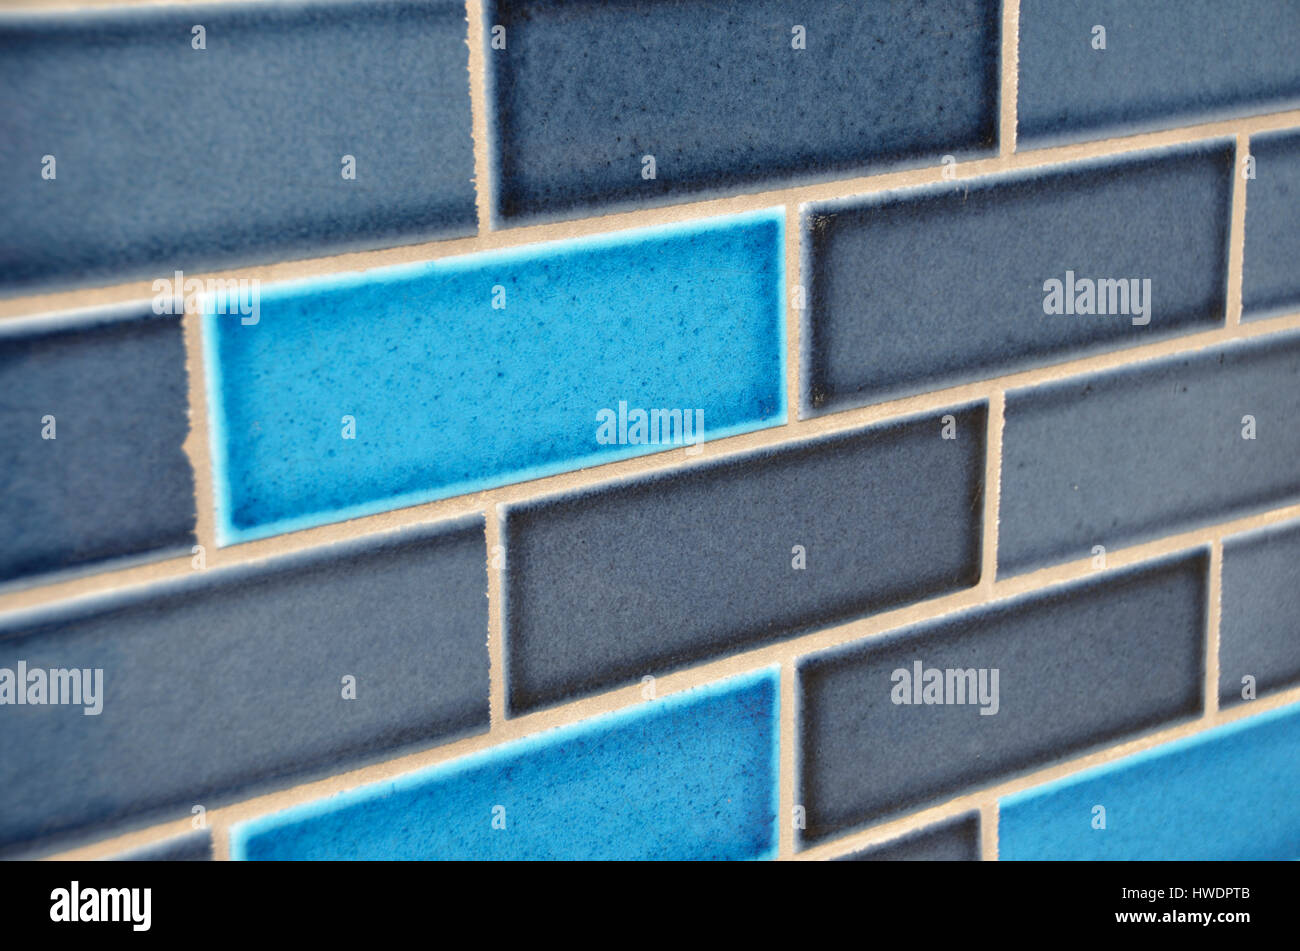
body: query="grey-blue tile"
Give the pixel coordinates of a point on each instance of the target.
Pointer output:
(1073, 674)
(1259, 625)
(636, 578)
(921, 288)
(1124, 456)
(722, 97)
(167, 156)
(235, 679)
(1270, 280)
(193, 847)
(957, 840)
(93, 416)
(1165, 63)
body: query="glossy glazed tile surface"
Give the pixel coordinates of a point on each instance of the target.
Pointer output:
(689, 776)
(1258, 633)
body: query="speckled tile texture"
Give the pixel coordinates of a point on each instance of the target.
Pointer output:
(171, 156)
(957, 840)
(1223, 795)
(369, 392)
(688, 776)
(93, 416)
(1270, 276)
(1259, 638)
(722, 96)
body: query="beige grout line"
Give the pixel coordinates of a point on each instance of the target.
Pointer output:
(786, 654)
(478, 106)
(670, 460)
(989, 831)
(657, 215)
(794, 279)
(496, 620)
(1213, 619)
(992, 488)
(197, 446)
(786, 776)
(221, 843)
(980, 799)
(1010, 65)
(1237, 232)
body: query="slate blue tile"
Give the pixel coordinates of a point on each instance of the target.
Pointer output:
(719, 96)
(689, 776)
(1270, 277)
(171, 157)
(630, 579)
(193, 847)
(1220, 795)
(112, 482)
(920, 288)
(1123, 456)
(448, 394)
(1071, 677)
(1166, 63)
(1259, 633)
(957, 840)
(231, 679)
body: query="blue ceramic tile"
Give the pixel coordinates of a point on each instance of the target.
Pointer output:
(1124, 456)
(232, 679)
(167, 156)
(721, 98)
(1221, 795)
(1259, 636)
(957, 840)
(93, 411)
(691, 776)
(1166, 63)
(1071, 676)
(193, 847)
(445, 393)
(921, 288)
(609, 585)
(1270, 277)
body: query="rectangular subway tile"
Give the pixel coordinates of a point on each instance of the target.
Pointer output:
(231, 678)
(1221, 795)
(724, 97)
(359, 393)
(956, 840)
(921, 288)
(689, 776)
(93, 416)
(127, 151)
(1127, 455)
(1270, 281)
(630, 579)
(1165, 63)
(1259, 637)
(1001, 690)
(193, 847)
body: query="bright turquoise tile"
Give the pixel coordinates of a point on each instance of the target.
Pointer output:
(691, 776)
(1228, 793)
(450, 394)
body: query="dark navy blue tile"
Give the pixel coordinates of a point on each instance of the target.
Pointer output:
(93, 414)
(1270, 275)
(691, 776)
(231, 679)
(360, 393)
(921, 288)
(1166, 63)
(193, 847)
(1125, 456)
(876, 740)
(1226, 794)
(957, 840)
(721, 99)
(635, 578)
(166, 156)
(1259, 627)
